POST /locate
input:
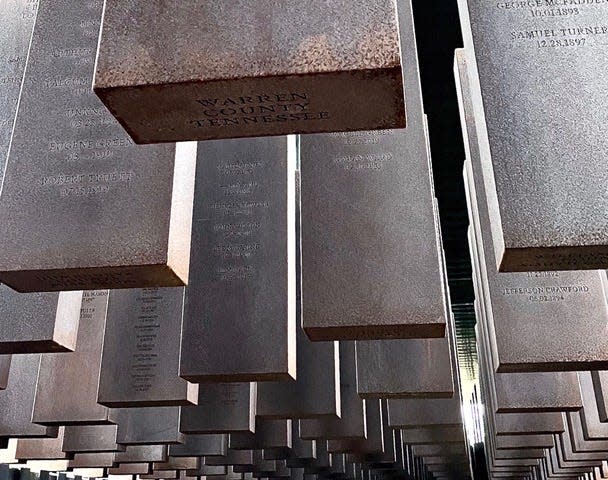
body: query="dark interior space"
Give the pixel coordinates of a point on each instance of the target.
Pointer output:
(438, 34)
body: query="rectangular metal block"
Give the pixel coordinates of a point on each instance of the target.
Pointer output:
(142, 453)
(518, 392)
(280, 472)
(303, 463)
(222, 408)
(92, 460)
(389, 454)
(141, 350)
(433, 435)
(398, 369)
(493, 427)
(511, 442)
(260, 467)
(89, 189)
(508, 473)
(535, 319)
(74, 377)
(130, 469)
(178, 463)
(17, 401)
(351, 423)
(183, 475)
(545, 184)
(41, 448)
(352, 183)
(91, 439)
(5, 368)
(510, 469)
(524, 392)
(337, 465)
(579, 442)
(568, 456)
(281, 453)
(533, 392)
(233, 457)
(38, 322)
(164, 475)
(322, 460)
(560, 467)
(268, 434)
(231, 474)
(600, 385)
(148, 425)
(303, 452)
(200, 446)
(240, 318)
(316, 391)
(528, 423)
(520, 423)
(372, 444)
(444, 450)
(291, 69)
(401, 460)
(16, 26)
(511, 454)
(514, 462)
(208, 471)
(498, 424)
(592, 426)
(415, 413)
(356, 263)
(513, 475)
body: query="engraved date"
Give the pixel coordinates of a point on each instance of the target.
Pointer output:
(561, 43)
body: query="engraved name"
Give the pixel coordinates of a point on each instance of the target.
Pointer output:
(548, 8)
(67, 82)
(559, 32)
(239, 206)
(85, 184)
(553, 293)
(244, 168)
(146, 328)
(60, 145)
(551, 36)
(372, 161)
(361, 138)
(236, 243)
(72, 52)
(235, 189)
